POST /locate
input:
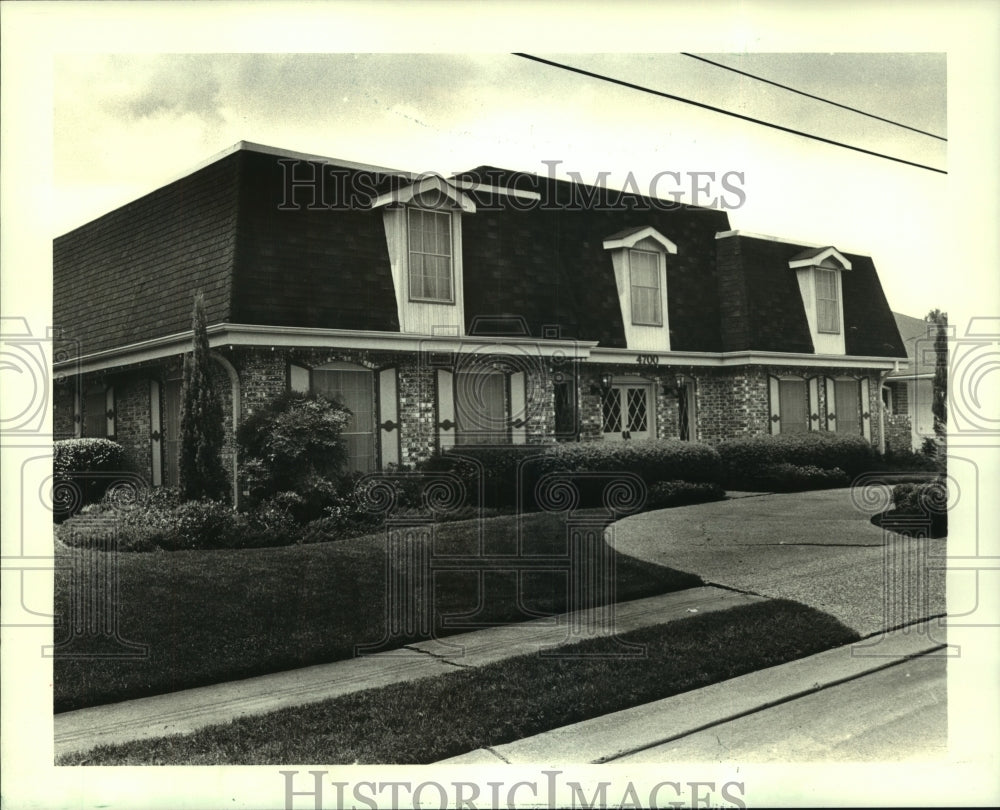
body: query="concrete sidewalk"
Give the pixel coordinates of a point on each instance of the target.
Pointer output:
(625, 735)
(191, 709)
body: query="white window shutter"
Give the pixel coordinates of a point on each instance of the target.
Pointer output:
(813, 403)
(156, 432)
(831, 404)
(866, 421)
(388, 416)
(775, 404)
(446, 408)
(298, 378)
(518, 408)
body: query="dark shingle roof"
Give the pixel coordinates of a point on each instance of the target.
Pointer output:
(229, 230)
(763, 307)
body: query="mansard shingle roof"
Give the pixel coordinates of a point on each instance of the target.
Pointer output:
(266, 251)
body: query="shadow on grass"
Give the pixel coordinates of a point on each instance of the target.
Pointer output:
(220, 615)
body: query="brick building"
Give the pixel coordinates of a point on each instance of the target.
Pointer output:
(489, 307)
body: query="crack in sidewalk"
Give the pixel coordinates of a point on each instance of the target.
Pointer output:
(443, 659)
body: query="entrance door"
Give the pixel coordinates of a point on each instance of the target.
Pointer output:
(626, 412)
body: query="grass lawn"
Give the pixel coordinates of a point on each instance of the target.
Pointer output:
(434, 718)
(211, 616)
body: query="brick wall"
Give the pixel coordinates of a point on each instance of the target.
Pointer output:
(898, 433)
(132, 422)
(63, 407)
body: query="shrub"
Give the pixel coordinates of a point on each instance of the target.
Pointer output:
(493, 468)
(926, 501)
(795, 478)
(72, 459)
(744, 459)
(908, 460)
(665, 494)
(652, 461)
(294, 445)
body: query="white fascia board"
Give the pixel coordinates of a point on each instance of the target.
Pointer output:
(813, 261)
(432, 182)
(225, 334)
(634, 238)
(733, 359)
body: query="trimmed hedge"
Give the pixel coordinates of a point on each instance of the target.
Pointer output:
(72, 459)
(795, 478)
(654, 460)
(746, 459)
(497, 468)
(666, 494)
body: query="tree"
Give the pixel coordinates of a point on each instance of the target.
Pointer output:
(201, 472)
(939, 387)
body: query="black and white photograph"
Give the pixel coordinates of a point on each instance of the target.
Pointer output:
(411, 407)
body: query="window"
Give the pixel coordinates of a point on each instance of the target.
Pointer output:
(95, 416)
(625, 412)
(847, 405)
(564, 396)
(481, 408)
(430, 255)
(352, 387)
(172, 431)
(827, 301)
(644, 271)
(686, 419)
(793, 402)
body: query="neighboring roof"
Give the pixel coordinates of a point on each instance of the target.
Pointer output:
(918, 338)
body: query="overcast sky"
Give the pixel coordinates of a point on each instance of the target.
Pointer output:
(126, 123)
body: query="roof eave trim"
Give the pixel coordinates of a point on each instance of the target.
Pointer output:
(632, 239)
(428, 183)
(813, 261)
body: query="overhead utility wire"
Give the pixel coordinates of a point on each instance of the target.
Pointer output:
(817, 98)
(683, 100)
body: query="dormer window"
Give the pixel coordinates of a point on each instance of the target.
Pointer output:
(423, 231)
(827, 301)
(819, 272)
(644, 274)
(430, 260)
(639, 259)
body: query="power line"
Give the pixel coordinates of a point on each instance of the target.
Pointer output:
(683, 100)
(817, 98)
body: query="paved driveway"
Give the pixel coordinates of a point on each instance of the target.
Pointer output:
(815, 547)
